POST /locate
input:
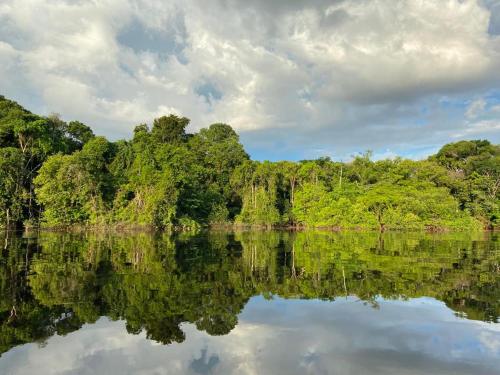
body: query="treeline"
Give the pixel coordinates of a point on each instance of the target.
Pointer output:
(54, 173)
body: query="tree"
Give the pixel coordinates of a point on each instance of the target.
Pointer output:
(475, 167)
(259, 193)
(165, 178)
(218, 150)
(291, 172)
(78, 133)
(169, 129)
(379, 200)
(12, 189)
(76, 188)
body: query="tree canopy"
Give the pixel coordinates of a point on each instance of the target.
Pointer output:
(57, 173)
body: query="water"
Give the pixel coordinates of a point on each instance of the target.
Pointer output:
(250, 303)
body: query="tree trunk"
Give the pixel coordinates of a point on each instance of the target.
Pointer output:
(340, 178)
(254, 190)
(292, 190)
(379, 217)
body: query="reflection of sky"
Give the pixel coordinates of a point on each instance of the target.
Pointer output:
(420, 336)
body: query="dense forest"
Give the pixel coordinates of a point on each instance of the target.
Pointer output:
(55, 283)
(55, 173)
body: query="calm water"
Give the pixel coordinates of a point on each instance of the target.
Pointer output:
(250, 303)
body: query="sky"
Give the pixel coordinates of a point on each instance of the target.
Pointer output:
(296, 79)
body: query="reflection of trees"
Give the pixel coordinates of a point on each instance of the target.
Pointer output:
(22, 318)
(55, 283)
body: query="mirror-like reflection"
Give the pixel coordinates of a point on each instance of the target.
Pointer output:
(333, 291)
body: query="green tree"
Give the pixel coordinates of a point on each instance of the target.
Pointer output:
(12, 189)
(169, 129)
(76, 188)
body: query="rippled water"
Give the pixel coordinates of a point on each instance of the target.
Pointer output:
(250, 303)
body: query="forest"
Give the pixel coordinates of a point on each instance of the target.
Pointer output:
(60, 174)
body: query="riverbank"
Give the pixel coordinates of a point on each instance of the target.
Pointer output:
(131, 228)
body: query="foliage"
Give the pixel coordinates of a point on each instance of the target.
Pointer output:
(26, 141)
(12, 189)
(76, 188)
(165, 177)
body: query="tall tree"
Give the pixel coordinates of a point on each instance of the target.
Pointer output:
(170, 129)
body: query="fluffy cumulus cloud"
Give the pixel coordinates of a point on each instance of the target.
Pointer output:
(297, 79)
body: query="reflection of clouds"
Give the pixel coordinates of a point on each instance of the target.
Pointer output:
(490, 341)
(419, 336)
(311, 362)
(204, 364)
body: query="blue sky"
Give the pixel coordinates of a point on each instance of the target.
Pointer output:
(296, 79)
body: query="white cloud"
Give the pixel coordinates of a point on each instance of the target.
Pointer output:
(480, 127)
(328, 72)
(495, 108)
(475, 108)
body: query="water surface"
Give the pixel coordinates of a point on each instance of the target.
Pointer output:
(250, 303)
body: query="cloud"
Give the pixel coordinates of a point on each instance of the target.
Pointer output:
(475, 108)
(494, 7)
(343, 76)
(481, 127)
